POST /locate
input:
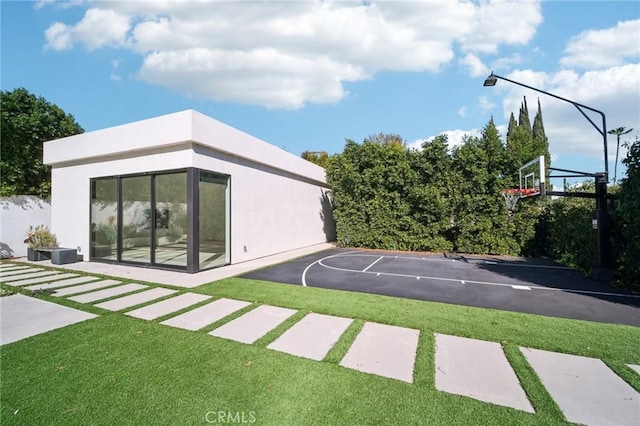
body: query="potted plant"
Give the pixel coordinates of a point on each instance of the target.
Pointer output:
(38, 237)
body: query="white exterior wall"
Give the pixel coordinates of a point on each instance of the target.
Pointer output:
(270, 213)
(276, 197)
(71, 192)
(17, 215)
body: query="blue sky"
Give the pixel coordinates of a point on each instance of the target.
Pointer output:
(306, 75)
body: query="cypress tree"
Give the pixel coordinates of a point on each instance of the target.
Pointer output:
(523, 119)
(513, 125)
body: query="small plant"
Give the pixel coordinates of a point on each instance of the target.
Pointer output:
(40, 236)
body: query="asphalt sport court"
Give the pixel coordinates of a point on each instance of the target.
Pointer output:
(536, 286)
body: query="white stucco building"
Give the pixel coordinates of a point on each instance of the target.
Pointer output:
(183, 191)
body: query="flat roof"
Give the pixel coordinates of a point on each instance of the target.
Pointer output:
(174, 131)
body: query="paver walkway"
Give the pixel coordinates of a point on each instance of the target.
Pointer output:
(585, 389)
(85, 288)
(24, 316)
(135, 299)
(207, 314)
(166, 307)
(254, 324)
(44, 279)
(12, 278)
(312, 337)
(107, 293)
(385, 350)
(60, 283)
(478, 369)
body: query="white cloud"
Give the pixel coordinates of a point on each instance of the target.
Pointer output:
(506, 62)
(462, 111)
(98, 28)
(454, 138)
(473, 65)
(287, 54)
(502, 22)
(58, 37)
(57, 3)
(604, 48)
(484, 104)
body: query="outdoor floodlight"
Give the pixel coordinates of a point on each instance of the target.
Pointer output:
(491, 80)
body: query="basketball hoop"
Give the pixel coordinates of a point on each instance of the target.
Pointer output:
(512, 195)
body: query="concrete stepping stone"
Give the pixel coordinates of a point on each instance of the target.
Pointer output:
(106, 293)
(21, 270)
(135, 299)
(166, 307)
(12, 278)
(46, 279)
(384, 350)
(24, 316)
(207, 314)
(312, 337)
(634, 367)
(48, 284)
(478, 369)
(7, 268)
(254, 324)
(61, 283)
(586, 390)
(84, 288)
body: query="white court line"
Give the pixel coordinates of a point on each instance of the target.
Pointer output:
(467, 261)
(521, 287)
(374, 262)
(304, 273)
(599, 293)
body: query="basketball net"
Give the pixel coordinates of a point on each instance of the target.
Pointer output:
(511, 197)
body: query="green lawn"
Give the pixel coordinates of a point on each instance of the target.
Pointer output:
(120, 370)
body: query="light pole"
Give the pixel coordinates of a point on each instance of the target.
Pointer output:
(602, 216)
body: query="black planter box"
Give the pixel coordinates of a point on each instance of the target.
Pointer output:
(35, 255)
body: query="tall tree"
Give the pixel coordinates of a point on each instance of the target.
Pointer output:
(620, 131)
(321, 158)
(27, 122)
(513, 125)
(523, 118)
(540, 141)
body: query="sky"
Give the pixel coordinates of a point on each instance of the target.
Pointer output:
(307, 75)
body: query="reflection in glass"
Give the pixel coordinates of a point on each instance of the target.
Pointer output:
(171, 219)
(104, 219)
(136, 219)
(213, 221)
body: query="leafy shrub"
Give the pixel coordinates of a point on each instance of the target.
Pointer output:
(569, 235)
(627, 217)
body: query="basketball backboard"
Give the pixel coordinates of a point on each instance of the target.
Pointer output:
(532, 177)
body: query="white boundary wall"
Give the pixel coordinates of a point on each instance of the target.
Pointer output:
(17, 214)
(276, 197)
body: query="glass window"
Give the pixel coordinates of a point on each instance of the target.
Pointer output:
(136, 219)
(104, 219)
(171, 219)
(213, 221)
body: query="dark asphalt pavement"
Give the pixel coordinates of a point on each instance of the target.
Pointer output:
(535, 286)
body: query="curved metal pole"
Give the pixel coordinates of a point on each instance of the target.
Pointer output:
(580, 107)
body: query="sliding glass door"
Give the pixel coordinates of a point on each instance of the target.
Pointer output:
(213, 220)
(136, 219)
(104, 219)
(177, 220)
(171, 219)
